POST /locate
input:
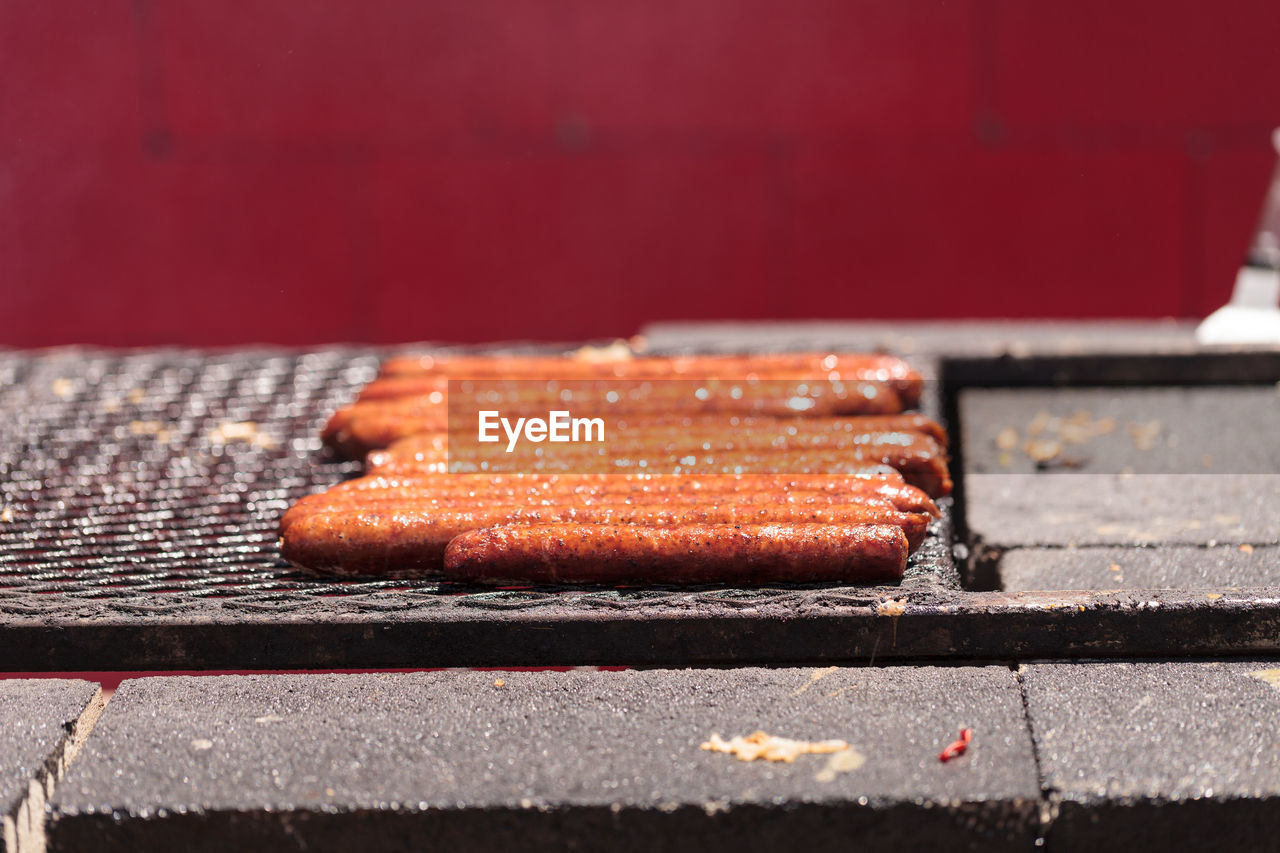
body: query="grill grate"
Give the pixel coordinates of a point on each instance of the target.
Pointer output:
(127, 474)
(131, 486)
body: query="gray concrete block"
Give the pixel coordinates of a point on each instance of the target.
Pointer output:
(1129, 568)
(1122, 466)
(1183, 430)
(43, 721)
(938, 337)
(1159, 755)
(594, 760)
(1024, 510)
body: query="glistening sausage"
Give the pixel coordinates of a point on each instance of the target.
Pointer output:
(704, 553)
(409, 541)
(848, 366)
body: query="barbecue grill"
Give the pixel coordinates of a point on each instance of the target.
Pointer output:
(140, 494)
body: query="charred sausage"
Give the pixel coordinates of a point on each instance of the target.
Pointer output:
(704, 553)
(410, 541)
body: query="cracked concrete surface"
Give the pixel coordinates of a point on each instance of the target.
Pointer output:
(1155, 755)
(43, 724)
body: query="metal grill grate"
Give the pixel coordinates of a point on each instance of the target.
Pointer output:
(162, 472)
(148, 485)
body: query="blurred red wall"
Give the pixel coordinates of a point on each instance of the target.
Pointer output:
(299, 172)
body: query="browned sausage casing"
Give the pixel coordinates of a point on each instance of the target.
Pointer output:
(863, 493)
(917, 456)
(593, 483)
(700, 553)
(372, 423)
(409, 541)
(848, 366)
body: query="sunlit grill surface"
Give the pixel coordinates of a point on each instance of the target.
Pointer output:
(139, 481)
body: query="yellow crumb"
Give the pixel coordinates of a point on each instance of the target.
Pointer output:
(769, 747)
(1144, 435)
(154, 428)
(844, 761)
(891, 607)
(1042, 450)
(246, 431)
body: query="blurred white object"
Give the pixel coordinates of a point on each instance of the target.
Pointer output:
(1253, 314)
(1251, 317)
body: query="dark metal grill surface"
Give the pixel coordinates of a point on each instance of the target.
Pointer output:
(131, 483)
(138, 531)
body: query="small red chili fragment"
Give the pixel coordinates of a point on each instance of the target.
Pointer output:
(957, 748)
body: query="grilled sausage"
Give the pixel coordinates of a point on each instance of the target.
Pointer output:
(918, 457)
(528, 489)
(355, 430)
(373, 423)
(706, 553)
(775, 416)
(698, 428)
(437, 493)
(411, 541)
(383, 500)
(848, 366)
(676, 435)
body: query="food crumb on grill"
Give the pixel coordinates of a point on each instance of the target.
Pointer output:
(155, 428)
(1048, 436)
(1270, 676)
(814, 677)
(498, 682)
(844, 761)
(246, 431)
(770, 747)
(62, 388)
(892, 607)
(1042, 450)
(958, 747)
(6, 514)
(1144, 435)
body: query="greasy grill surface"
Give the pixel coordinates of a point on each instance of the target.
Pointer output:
(160, 472)
(153, 482)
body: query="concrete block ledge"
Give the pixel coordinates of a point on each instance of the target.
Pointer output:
(581, 759)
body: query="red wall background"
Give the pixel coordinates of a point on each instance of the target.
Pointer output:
(300, 171)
